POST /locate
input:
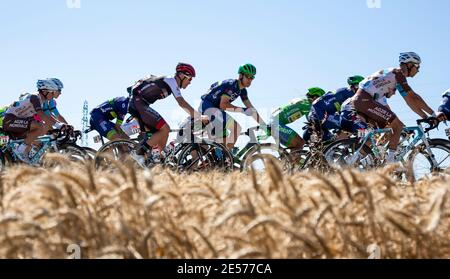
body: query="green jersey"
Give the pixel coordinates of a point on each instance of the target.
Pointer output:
(292, 111)
(2, 115)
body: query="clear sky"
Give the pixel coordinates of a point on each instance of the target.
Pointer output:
(103, 46)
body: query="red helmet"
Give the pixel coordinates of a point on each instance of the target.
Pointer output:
(185, 68)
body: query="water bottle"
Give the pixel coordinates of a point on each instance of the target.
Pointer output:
(169, 148)
(156, 156)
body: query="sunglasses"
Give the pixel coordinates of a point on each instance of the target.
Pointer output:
(188, 76)
(250, 76)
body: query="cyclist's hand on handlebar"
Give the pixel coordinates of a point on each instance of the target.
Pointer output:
(70, 129)
(441, 116)
(432, 121)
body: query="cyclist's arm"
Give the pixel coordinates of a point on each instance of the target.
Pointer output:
(225, 104)
(61, 119)
(414, 101)
(55, 112)
(187, 107)
(424, 105)
(255, 115)
(48, 120)
(417, 104)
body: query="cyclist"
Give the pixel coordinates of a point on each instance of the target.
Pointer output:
(2, 114)
(288, 114)
(219, 99)
(26, 119)
(49, 107)
(370, 101)
(444, 109)
(102, 116)
(325, 110)
(147, 91)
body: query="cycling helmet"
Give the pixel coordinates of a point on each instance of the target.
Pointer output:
(354, 80)
(315, 92)
(407, 57)
(247, 69)
(53, 84)
(185, 69)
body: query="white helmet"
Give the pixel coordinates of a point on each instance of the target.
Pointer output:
(50, 84)
(407, 57)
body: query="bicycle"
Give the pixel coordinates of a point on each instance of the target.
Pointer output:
(196, 152)
(193, 155)
(415, 149)
(55, 141)
(311, 156)
(255, 153)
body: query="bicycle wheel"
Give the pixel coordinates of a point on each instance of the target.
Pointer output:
(205, 156)
(171, 160)
(422, 163)
(256, 157)
(114, 150)
(91, 152)
(74, 152)
(341, 154)
(314, 161)
(299, 158)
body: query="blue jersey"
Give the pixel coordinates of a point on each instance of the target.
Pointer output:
(331, 102)
(114, 108)
(229, 88)
(446, 94)
(49, 108)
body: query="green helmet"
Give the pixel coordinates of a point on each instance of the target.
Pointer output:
(315, 92)
(247, 69)
(354, 80)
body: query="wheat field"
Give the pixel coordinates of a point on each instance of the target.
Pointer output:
(131, 213)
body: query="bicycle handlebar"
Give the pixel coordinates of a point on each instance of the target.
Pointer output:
(432, 121)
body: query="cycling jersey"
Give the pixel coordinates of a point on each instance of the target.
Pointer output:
(152, 88)
(102, 115)
(292, 111)
(229, 88)
(27, 107)
(350, 121)
(114, 108)
(384, 83)
(330, 103)
(2, 115)
(445, 105)
(147, 91)
(49, 108)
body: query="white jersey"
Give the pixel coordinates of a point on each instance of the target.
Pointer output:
(26, 107)
(173, 86)
(384, 83)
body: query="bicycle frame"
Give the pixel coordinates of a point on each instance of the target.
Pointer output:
(47, 141)
(252, 142)
(419, 135)
(368, 135)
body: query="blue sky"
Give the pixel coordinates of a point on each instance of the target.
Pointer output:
(102, 47)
